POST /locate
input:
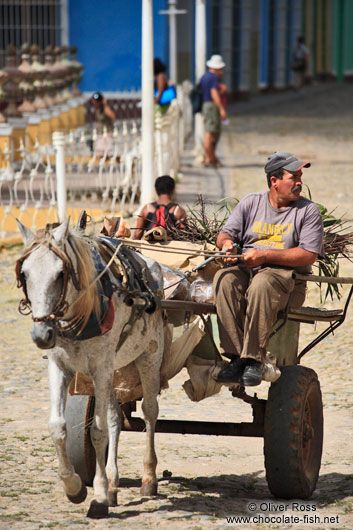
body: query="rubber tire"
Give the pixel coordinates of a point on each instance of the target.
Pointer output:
(79, 416)
(294, 413)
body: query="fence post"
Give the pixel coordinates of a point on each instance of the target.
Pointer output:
(59, 143)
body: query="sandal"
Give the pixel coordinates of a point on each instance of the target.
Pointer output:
(214, 164)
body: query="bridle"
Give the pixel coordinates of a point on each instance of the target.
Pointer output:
(24, 306)
(138, 293)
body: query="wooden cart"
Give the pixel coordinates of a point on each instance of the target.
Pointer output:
(290, 420)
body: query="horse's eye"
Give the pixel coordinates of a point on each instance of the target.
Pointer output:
(60, 275)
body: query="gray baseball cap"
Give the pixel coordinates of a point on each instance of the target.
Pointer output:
(285, 161)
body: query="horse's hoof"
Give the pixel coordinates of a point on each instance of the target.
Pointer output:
(80, 497)
(113, 498)
(98, 510)
(149, 489)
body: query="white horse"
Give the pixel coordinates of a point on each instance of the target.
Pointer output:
(58, 273)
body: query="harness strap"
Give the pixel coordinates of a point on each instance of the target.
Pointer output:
(127, 328)
(139, 278)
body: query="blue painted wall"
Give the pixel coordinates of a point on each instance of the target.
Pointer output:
(107, 34)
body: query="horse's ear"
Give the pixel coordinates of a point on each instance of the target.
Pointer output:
(60, 233)
(26, 234)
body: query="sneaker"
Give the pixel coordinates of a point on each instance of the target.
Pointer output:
(252, 373)
(232, 372)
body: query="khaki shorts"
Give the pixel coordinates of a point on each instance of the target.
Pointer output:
(212, 118)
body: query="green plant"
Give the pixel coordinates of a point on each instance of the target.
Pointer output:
(338, 243)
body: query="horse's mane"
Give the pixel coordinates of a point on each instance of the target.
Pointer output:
(82, 270)
(88, 300)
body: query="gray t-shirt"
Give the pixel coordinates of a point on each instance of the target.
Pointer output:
(255, 223)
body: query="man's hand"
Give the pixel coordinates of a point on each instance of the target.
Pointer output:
(291, 257)
(253, 258)
(230, 256)
(223, 114)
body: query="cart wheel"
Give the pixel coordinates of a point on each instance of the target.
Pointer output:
(293, 433)
(79, 415)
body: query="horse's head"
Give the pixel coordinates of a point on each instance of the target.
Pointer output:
(57, 275)
(41, 273)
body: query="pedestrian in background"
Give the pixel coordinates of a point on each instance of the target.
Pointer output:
(213, 110)
(161, 212)
(300, 63)
(164, 91)
(105, 115)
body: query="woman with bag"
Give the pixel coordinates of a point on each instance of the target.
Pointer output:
(164, 91)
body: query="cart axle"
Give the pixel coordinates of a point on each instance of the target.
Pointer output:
(197, 427)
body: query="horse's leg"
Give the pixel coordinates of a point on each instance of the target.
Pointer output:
(99, 436)
(114, 427)
(58, 382)
(149, 370)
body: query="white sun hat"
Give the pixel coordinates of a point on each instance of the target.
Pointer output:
(216, 62)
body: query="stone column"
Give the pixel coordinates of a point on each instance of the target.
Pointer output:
(78, 69)
(3, 78)
(28, 108)
(61, 75)
(27, 83)
(51, 84)
(13, 95)
(40, 82)
(42, 101)
(71, 100)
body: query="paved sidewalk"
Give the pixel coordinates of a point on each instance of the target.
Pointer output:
(196, 180)
(216, 183)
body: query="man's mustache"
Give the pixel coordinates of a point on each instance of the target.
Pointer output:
(296, 188)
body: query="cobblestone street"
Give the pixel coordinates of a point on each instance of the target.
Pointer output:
(211, 477)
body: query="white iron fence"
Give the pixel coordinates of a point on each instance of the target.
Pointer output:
(99, 172)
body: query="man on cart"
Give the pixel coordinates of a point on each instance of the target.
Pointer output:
(278, 232)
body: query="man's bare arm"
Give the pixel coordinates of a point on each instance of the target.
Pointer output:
(217, 100)
(291, 257)
(224, 241)
(161, 86)
(140, 223)
(180, 216)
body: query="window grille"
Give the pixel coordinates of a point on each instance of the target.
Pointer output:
(32, 21)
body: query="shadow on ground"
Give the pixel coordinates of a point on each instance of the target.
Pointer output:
(222, 495)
